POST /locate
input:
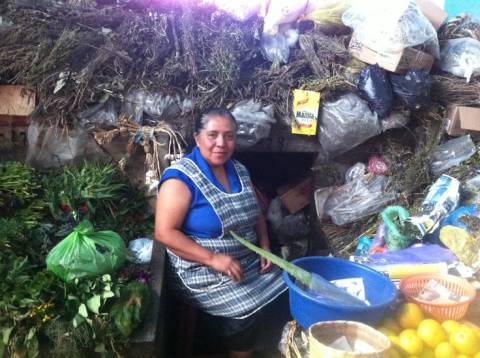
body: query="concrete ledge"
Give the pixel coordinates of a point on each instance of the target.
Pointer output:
(150, 336)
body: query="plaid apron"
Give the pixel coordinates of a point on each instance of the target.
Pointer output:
(213, 292)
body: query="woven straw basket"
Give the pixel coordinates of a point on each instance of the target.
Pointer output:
(324, 333)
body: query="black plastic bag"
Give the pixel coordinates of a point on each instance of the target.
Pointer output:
(413, 88)
(374, 86)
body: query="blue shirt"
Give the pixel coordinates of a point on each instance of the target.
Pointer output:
(201, 220)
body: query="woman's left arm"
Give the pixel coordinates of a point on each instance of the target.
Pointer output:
(263, 241)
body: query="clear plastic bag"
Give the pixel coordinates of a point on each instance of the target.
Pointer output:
(451, 153)
(461, 57)
(100, 115)
(391, 26)
(254, 122)
(359, 198)
(395, 120)
(346, 123)
(282, 12)
(413, 88)
(49, 146)
(374, 85)
(276, 48)
(355, 172)
(156, 105)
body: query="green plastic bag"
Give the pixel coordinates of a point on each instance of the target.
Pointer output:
(86, 253)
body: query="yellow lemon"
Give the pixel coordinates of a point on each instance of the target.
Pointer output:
(410, 342)
(465, 340)
(393, 353)
(472, 326)
(445, 350)
(396, 343)
(427, 353)
(431, 332)
(409, 315)
(449, 325)
(463, 356)
(391, 324)
(477, 355)
(386, 331)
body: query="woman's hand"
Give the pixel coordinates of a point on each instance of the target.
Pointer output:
(227, 265)
(265, 264)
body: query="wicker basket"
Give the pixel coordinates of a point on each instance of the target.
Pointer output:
(411, 286)
(322, 334)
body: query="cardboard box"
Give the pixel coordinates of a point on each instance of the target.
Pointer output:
(432, 12)
(399, 62)
(298, 197)
(14, 102)
(462, 120)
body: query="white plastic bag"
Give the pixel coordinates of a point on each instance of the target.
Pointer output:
(451, 153)
(461, 57)
(140, 250)
(254, 122)
(325, 12)
(391, 26)
(282, 12)
(346, 123)
(239, 10)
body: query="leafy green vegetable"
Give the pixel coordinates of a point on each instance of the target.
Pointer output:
(129, 310)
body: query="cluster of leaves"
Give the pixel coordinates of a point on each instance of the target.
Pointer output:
(35, 305)
(97, 192)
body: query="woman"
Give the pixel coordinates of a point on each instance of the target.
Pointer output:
(201, 199)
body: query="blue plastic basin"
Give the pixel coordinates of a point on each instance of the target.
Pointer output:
(307, 310)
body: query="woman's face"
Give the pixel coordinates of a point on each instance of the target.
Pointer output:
(216, 140)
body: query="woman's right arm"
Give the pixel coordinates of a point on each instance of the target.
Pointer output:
(173, 203)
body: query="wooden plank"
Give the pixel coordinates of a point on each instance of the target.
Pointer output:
(14, 102)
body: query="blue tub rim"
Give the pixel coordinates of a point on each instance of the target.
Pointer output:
(292, 286)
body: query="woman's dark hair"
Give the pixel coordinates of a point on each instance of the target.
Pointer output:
(202, 120)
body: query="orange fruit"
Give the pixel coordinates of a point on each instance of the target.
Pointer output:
(465, 340)
(431, 332)
(409, 315)
(410, 342)
(450, 325)
(445, 350)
